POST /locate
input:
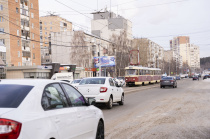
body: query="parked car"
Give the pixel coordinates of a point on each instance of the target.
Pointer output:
(122, 80)
(168, 81)
(47, 109)
(195, 78)
(103, 89)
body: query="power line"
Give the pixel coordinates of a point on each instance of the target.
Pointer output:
(155, 5)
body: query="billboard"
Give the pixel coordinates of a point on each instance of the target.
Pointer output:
(106, 61)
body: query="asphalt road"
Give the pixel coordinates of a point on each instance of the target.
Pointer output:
(140, 100)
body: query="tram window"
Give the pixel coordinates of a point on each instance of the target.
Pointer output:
(140, 72)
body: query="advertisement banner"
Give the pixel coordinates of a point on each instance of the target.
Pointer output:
(106, 61)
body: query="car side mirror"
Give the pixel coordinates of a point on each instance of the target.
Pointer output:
(92, 101)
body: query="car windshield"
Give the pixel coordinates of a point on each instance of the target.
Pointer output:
(93, 81)
(120, 78)
(76, 81)
(12, 95)
(167, 78)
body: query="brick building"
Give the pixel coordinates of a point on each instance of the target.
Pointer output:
(19, 28)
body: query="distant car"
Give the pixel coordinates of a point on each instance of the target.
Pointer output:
(178, 78)
(195, 78)
(206, 76)
(168, 81)
(103, 89)
(47, 109)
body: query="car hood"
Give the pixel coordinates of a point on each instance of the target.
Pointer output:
(5, 110)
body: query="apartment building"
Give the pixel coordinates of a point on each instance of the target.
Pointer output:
(19, 24)
(2, 61)
(105, 24)
(49, 24)
(179, 46)
(187, 53)
(194, 57)
(79, 48)
(150, 53)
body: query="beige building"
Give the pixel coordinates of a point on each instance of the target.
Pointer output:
(150, 53)
(194, 57)
(49, 24)
(80, 48)
(19, 23)
(187, 53)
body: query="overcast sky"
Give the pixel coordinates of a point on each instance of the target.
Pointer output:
(158, 20)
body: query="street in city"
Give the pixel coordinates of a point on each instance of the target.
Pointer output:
(152, 112)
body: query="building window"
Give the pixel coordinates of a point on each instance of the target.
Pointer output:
(1, 19)
(32, 5)
(45, 28)
(34, 64)
(45, 37)
(33, 55)
(18, 32)
(45, 23)
(33, 46)
(1, 30)
(45, 33)
(2, 41)
(18, 43)
(32, 25)
(51, 23)
(16, 0)
(1, 7)
(32, 35)
(18, 53)
(19, 64)
(17, 10)
(32, 15)
(50, 27)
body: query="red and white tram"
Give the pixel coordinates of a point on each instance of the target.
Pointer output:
(136, 75)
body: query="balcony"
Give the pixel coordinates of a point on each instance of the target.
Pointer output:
(23, 6)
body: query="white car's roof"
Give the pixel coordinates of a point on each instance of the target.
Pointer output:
(97, 77)
(32, 82)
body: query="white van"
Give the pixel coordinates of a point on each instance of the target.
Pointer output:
(63, 76)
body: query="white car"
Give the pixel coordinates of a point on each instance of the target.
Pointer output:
(103, 89)
(47, 109)
(76, 82)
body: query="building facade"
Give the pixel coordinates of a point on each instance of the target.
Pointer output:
(49, 24)
(105, 24)
(186, 53)
(19, 25)
(150, 53)
(79, 48)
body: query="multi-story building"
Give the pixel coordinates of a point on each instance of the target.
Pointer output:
(194, 57)
(187, 53)
(19, 24)
(105, 24)
(2, 61)
(49, 24)
(150, 53)
(79, 48)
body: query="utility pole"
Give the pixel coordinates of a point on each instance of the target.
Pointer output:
(99, 58)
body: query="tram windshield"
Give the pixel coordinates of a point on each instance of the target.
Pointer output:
(132, 72)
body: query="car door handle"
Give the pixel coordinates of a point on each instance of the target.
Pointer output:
(57, 120)
(79, 115)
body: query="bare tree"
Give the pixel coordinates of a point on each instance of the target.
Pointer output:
(120, 48)
(80, 53)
